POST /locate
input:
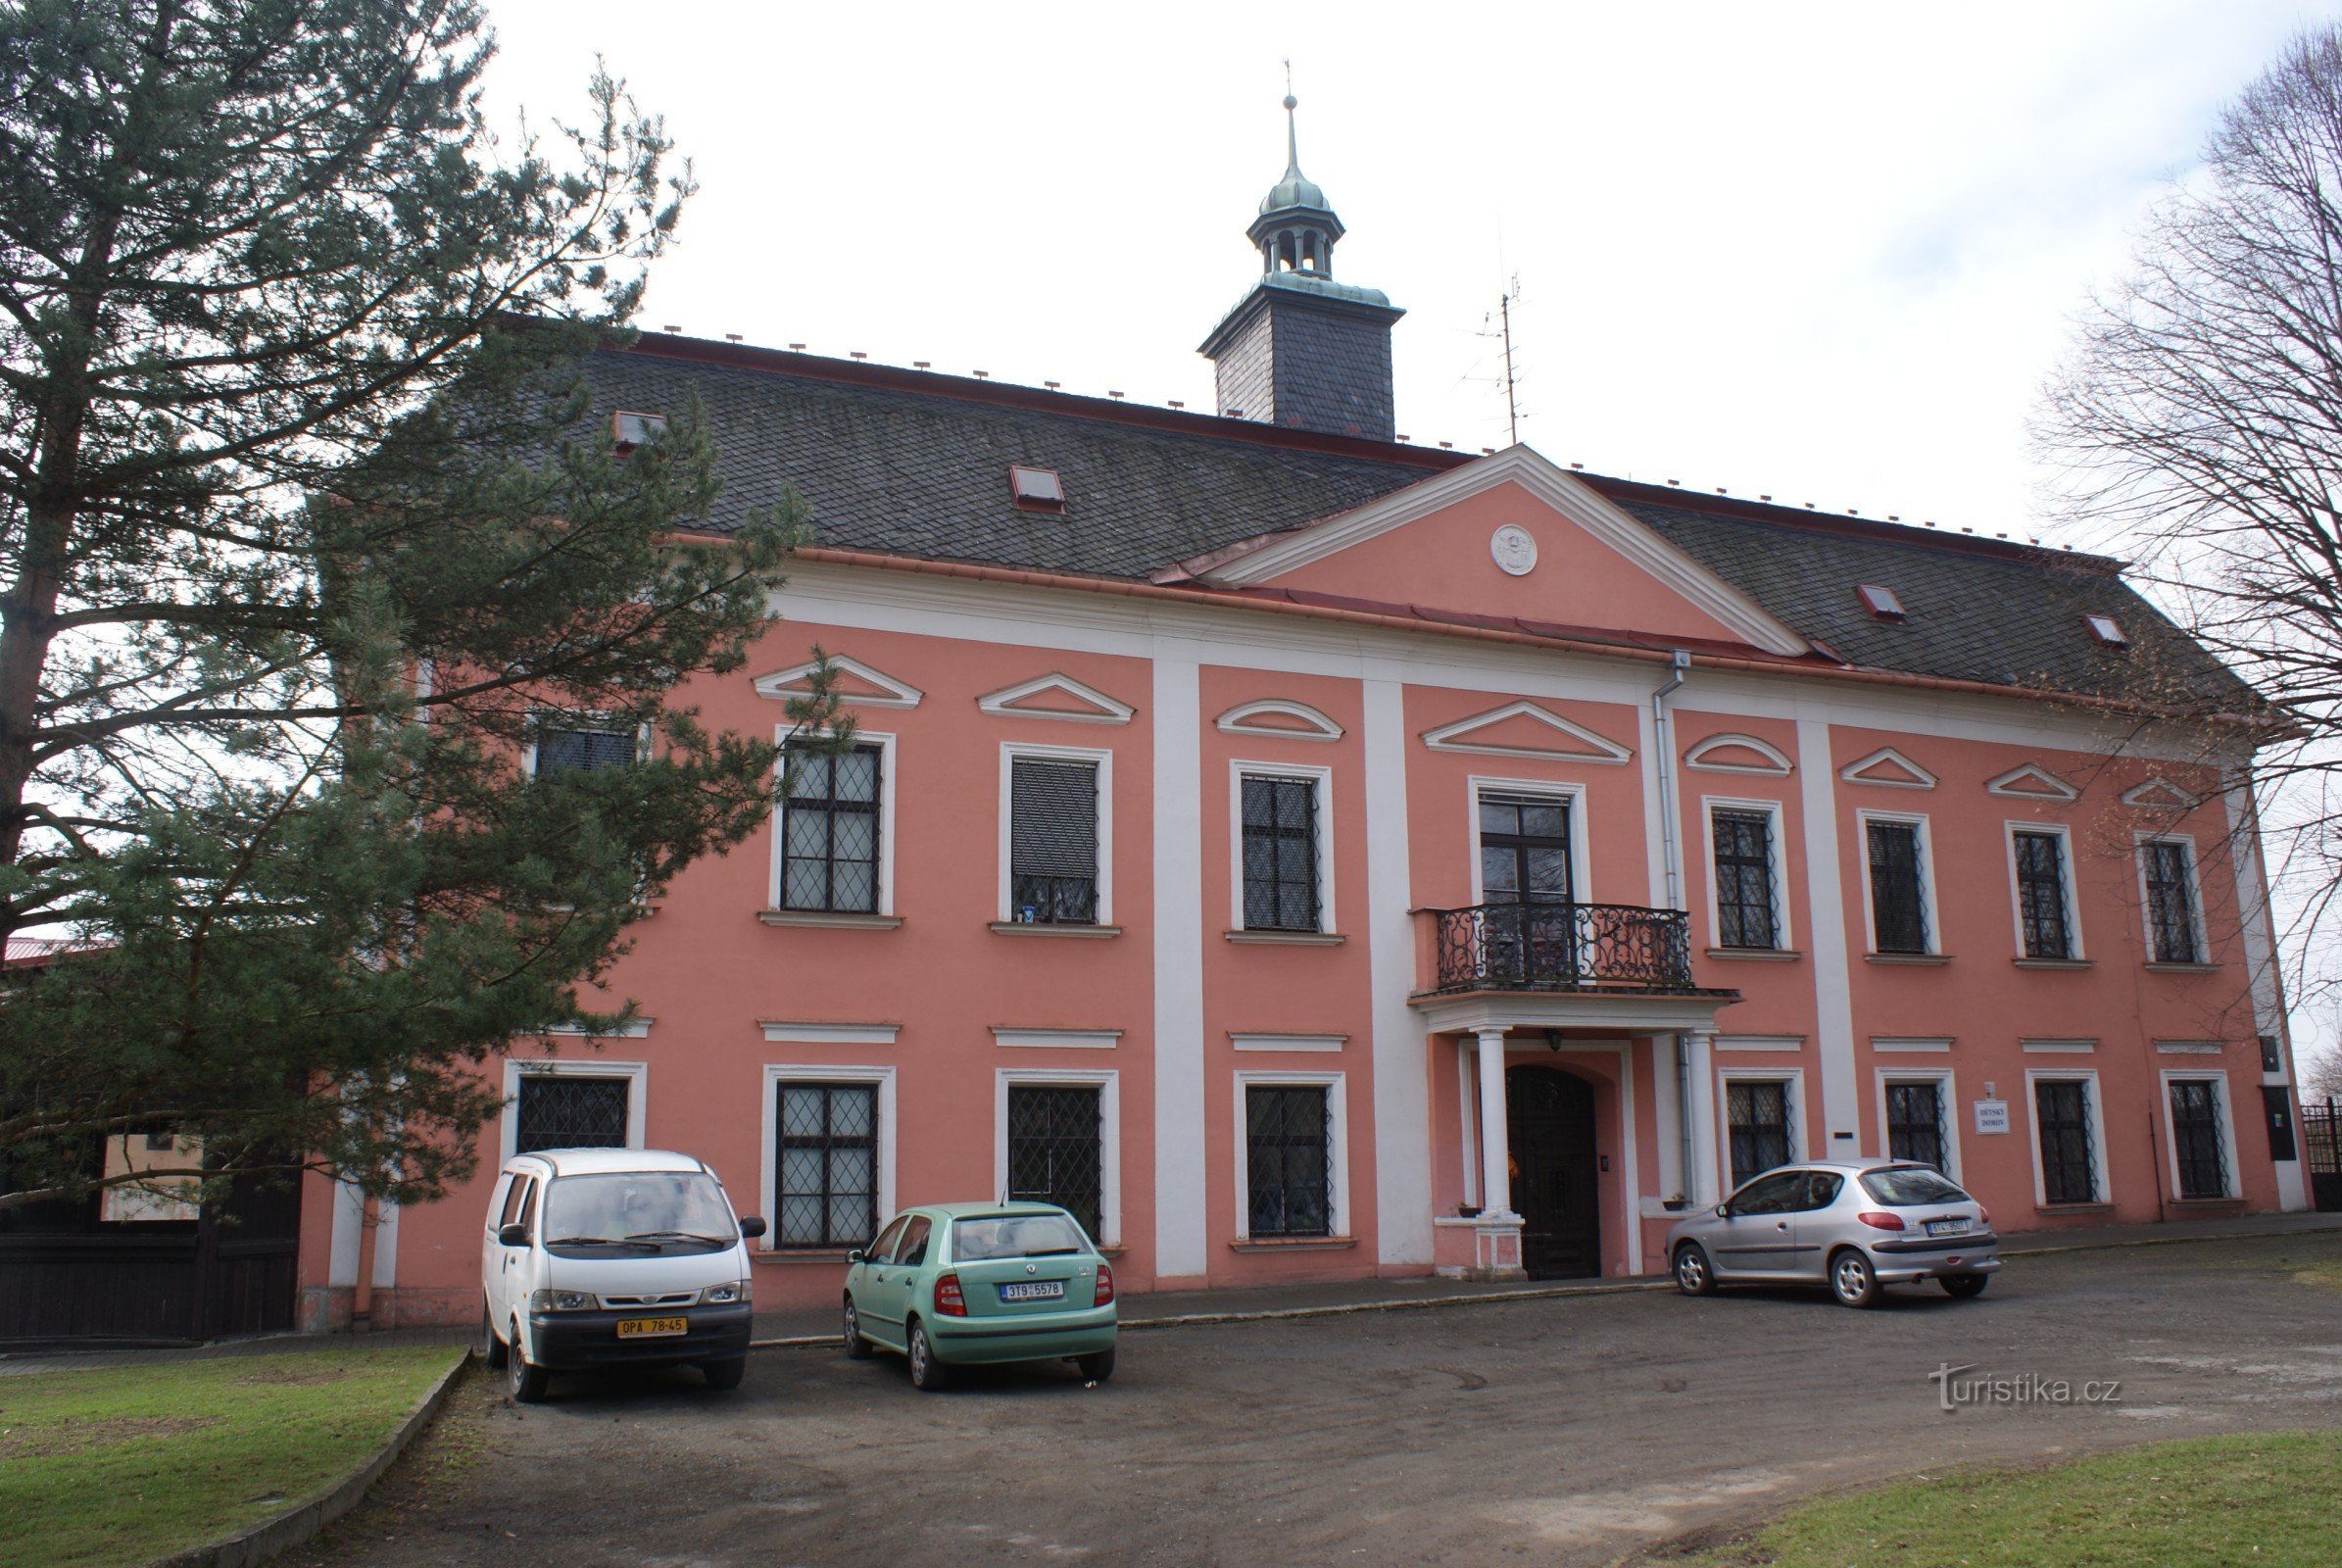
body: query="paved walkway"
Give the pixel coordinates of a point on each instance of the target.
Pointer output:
(1163, 1308)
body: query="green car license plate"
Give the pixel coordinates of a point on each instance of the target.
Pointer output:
(1034, 1290)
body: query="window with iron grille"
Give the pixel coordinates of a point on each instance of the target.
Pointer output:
(1279, 829)
(1744, 912)
(2196, 1144)
(1914, 1122)
(2042, 895)
(1757, 1115)
(564, 1110)
(828, 1167)
(1898, 898)
(829, 833)
(1289, 1152)
(2171, 901)
(2062, 1119)
(1057, 1153)
(571, 748)
(1052, 841)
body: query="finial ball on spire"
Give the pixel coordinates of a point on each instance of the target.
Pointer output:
(1290, 102)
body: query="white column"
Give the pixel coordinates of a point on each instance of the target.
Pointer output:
(1703, 1188)
(1495, 1175)
(1834, 995)
(1402, 1112)
(1180, 1244)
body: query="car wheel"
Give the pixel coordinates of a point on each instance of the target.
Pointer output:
(1852, 1280)
(855, 1346)
(492, 1350)
(1694, 1274)
(724, 1374)
(927, 1374)
(1099, 1367)
(526, 1379)
(1964, 1286)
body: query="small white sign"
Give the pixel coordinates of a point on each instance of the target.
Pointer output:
(1993, 1116)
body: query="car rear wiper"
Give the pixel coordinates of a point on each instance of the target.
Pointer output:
(1054, 1252)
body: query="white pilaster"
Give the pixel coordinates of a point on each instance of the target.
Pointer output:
(1180, 1246)
(1403, 1128)
(1495, 1151)
(1668, 1112)
(1704, 1192)
(2261, 974)
(1834, 999)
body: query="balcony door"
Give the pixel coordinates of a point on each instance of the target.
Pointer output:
(1525, 882)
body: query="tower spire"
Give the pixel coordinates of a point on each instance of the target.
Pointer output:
(1293, 136)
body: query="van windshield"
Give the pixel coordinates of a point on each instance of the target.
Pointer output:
(662, 1210)
(993, 1235)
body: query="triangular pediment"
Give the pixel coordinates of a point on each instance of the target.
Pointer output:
(2033, 782)
(2160, 794)
(854, 682)
(1509, 534)
(1738, 754)
(1524, 729)
(1279, 719)
(1888, 768)
(1055, 695)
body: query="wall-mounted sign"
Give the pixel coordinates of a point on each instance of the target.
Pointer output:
(1993, 1116)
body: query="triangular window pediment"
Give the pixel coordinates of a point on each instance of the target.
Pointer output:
(2032, 783)
(1888, 768)
(1524, 729)
(1055, 695)
(855, 682)
(2159, 794)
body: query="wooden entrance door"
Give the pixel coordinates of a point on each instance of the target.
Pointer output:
(1549, 1120)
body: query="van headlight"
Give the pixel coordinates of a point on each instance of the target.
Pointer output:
(725, 1295)
(563, 1302)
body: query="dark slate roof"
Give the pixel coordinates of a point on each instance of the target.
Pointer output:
(911, 463)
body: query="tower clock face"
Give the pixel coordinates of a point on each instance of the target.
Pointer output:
(1513, 549)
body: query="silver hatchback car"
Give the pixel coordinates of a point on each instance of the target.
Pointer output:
(1856, 1226)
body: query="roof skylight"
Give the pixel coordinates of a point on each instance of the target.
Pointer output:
(2107, 630)
(1036, 489)
(1879, 602)
(630, 430)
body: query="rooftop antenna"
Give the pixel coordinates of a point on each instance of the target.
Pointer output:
(1512, 408)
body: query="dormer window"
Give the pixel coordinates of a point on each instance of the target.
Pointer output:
(1879, 602)
(630, 430)
(1036, 489)
(2107, 629)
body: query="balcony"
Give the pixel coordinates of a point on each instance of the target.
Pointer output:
(1560, 948)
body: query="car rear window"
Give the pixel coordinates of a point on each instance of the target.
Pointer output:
(991, 1236)
(1905, 1188)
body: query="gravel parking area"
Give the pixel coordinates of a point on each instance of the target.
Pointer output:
(1555, 1431)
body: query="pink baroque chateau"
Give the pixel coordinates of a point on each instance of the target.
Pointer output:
(1304, 855)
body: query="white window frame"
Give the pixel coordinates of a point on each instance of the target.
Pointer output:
(1726, 1077)
(1947, 1095)
(1776, 856)
(2225, 1103)
(592, 722)
(1108, 1085)
(1010, 750)
(1581, 873)
(1322, 780)
(1864, 816)
(2139, 840)
(2088, 1077)
(2076, 952)
(886, 820)
(638, 1093)
(769, 1174)
(1337, 1201)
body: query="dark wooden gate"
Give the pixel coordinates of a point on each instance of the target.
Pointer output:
(2321, 1152)
(1556, 1185)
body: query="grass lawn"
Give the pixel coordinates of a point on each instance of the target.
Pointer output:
(2326, 1271)
(122, 1465)
(2206, 1502)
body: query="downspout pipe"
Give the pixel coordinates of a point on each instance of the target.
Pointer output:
(1671, 865)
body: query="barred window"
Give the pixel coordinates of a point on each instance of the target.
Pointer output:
(566, 1110)
(1898, 897)
(829, 837)
(2171, 901)
(1052, 841)
(1057, 1151)
(1914, 1122)
(1280, 851)
(1288, 1150)
(572, 749)
(2042, 895)
(1745, 914)
(828, 1164)
(2062, 1120)
(1757, 1115)
(2196, 1143)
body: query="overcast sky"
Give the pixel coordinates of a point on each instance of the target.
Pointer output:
(1826, 253)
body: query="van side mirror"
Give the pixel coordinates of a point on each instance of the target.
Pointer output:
(854, 1257)
(514, 1235)
(752, 1227)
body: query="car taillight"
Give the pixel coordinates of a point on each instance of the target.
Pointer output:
(1983, 1216)
(1104, 1295)
(948, 1300)
(1879, 1220)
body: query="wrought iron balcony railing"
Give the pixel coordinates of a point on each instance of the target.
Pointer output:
(1562, 947)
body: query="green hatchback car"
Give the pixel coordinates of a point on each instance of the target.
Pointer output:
(960, 1284)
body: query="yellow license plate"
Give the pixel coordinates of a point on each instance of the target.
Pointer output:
(651, 1328)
